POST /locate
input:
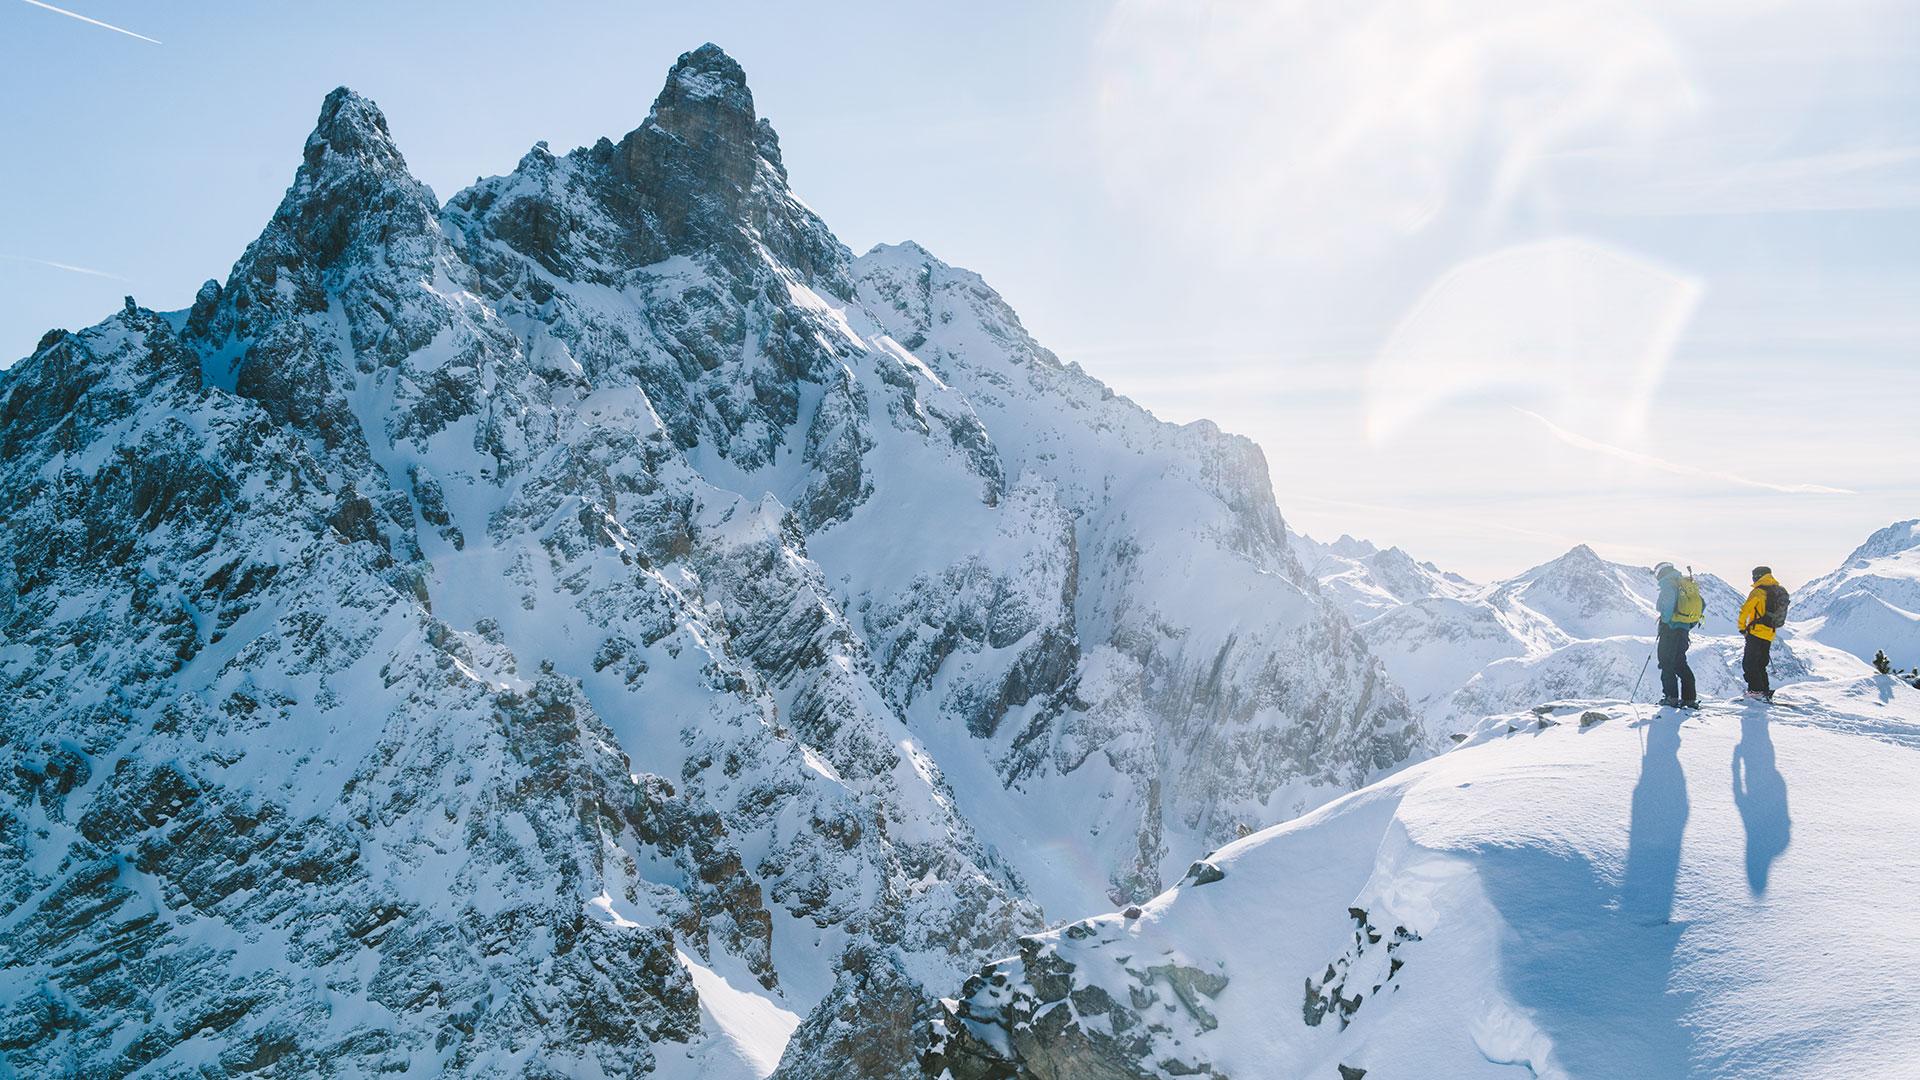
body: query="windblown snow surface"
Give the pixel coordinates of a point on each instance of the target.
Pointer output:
(1721, 894)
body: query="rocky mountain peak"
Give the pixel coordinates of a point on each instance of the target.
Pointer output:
(352, 195)
(1580, 568)
(1580, 555)
(1351, 547)
(351, 128)
(706, 74)
(701, 139)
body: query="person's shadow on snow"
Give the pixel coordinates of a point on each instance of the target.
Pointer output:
(1658, 822)
(1592, 961)
(1760, 793)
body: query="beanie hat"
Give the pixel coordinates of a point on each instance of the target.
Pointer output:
(1761, 571)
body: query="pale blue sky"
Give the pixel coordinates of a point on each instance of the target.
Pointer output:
(1484, 279)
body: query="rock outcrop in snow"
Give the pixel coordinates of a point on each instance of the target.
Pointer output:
(1707, 897)
(601, 626)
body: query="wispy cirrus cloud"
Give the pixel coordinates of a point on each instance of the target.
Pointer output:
(90, 21)
(1579, 441)
(68, 267)
(1327, 133)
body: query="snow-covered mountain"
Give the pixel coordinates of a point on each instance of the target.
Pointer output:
(1554, 901)
(1871, 603)
(601, 626)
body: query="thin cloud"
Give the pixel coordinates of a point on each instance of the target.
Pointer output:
(1335, 131)
(68, 267)
(94, 22)
(1636, 457)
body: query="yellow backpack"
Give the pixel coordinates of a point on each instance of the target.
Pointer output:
(1689, 607)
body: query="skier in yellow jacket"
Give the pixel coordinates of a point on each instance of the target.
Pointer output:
(1762, 616)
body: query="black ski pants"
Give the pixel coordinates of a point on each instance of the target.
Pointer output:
(1754, 663)
(1676, 677)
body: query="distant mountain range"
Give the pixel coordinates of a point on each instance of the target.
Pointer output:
(1582, 627)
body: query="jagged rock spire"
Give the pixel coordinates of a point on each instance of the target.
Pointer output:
(698, 150)
(354, 128)
(351, 192)
(704, 77)
(352, 230)
(353, 185)
(701, 175)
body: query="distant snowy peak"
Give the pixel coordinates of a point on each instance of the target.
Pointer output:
(1346, 547)
(1352, 547)
(1581, 596)
(1578, 595)
(1365, 580)
(1870, 603)
(1886, 566)
(1900, 538)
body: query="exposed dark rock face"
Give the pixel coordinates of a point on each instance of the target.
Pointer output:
(465, 631)
(1037, 1017)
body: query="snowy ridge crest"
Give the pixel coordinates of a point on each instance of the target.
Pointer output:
(1485, 911)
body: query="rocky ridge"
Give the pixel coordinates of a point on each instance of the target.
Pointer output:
(600, 625)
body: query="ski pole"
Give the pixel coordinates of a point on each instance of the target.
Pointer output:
(1631, 698)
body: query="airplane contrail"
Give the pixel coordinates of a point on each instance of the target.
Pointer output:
(84, 19)
(1582, 442)
(68, 267)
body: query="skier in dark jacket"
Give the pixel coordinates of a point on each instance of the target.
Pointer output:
(1678, 617)
(1760, 618)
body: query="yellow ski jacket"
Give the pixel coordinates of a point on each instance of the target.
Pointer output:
(1755, 607)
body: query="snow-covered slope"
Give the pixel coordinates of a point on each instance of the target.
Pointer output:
(1871, 603)
(599, 625)
(1716, 895)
